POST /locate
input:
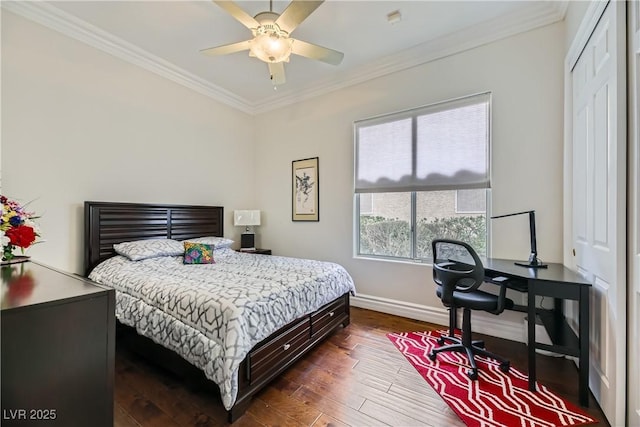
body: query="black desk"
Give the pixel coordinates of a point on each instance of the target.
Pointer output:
(560, 283)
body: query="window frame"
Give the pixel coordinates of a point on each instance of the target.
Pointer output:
(414, 114)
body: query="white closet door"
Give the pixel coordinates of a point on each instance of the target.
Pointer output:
(633, 245)
(599, 201)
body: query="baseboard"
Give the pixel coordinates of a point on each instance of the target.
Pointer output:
(483, 323)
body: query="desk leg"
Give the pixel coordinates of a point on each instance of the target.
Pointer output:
(558, 307)
(531, 335)
(583, 319)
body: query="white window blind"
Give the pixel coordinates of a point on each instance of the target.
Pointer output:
(439, 147)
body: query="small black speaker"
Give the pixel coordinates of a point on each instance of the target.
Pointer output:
(247, 240)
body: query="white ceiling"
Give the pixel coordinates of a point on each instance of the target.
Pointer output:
(166, 37)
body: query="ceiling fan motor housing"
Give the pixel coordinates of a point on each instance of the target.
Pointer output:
(266, 17)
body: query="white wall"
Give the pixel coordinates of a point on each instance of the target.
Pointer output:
(79, 124)
(573, 19)
(525, 75)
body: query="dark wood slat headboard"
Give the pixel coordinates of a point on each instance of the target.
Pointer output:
(108, 223)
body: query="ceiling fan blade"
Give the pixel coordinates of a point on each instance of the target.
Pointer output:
(227, 48)
(276, 70)
(314, 51)
(295, 13)
(235, 11)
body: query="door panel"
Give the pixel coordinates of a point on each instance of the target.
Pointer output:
(581, 138)
(599, 337)
(601, 115)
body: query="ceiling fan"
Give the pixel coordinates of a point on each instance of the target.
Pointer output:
(271, 42)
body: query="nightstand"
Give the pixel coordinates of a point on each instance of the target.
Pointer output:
(255, 251)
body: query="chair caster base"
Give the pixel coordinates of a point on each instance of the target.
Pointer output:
(432, 356)
(472, 374)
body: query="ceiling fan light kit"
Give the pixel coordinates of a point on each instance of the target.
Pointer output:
(271, 42)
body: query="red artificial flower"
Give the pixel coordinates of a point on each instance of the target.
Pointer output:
(21, 236)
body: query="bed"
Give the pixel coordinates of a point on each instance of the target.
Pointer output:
(239, 322)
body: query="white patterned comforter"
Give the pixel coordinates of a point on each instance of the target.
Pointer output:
(213, 314)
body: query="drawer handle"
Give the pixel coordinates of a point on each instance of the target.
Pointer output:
(332, 313)
(286, 347)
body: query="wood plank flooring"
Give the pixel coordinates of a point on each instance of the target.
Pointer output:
(355, 378)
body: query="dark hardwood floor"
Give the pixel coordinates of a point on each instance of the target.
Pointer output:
(356, 377)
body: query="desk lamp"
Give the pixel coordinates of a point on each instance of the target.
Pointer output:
(247, 219)
(533, 262)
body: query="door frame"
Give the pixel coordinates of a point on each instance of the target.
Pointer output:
(587, 27)
(633, 220)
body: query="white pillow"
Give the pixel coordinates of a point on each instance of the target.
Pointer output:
(217, 242)
(150, 248)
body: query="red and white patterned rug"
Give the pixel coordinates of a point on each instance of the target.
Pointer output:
(496, 398)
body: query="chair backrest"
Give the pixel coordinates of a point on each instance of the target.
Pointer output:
(456, 267)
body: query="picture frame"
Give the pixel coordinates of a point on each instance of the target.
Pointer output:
(305, 190)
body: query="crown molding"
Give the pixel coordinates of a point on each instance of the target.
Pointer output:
(561, 7)
(537, 15)
(71, 26)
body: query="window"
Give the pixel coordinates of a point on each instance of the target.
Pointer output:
(423, 174)
(470, 201)
(366, 204)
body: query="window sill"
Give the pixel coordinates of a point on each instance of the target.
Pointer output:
(393, 260)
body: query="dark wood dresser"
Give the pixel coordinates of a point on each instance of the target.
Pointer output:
(58, 348)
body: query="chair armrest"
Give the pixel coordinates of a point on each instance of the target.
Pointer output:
(502, 297)
(448, 287)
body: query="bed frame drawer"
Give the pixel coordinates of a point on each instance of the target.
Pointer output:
(279, 350)
(329, 316)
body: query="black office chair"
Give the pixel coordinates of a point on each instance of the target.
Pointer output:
(458, 273)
